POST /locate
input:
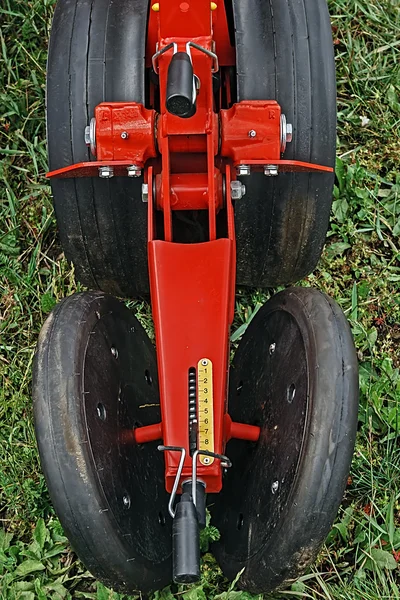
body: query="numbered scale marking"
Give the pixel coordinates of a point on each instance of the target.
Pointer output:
(205, 409)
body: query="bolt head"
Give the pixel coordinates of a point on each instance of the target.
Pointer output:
(289, 132)
(126, 500)
(271, 170)
(243, 170)
(145, 192)
(134, 171)
(238, 190)
(90, 136)
(124, 135)
(106, 172)
(252, 133)
(87, 135)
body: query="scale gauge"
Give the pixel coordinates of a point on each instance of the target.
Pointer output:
(205, 409)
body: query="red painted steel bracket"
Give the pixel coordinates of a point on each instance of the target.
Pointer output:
(128, 134)
(125, 131)
(91, 169)
(251, 131)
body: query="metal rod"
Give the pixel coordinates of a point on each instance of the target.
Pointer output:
(178, 474)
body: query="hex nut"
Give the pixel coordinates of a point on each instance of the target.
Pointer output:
(134, 171)
(270, 170)
(289, 132)
(243, 170)
(87, 135)
(106, 172)
(238, 190)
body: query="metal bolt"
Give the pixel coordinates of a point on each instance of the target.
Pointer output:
(90, 136)
(101, 411)
(290, 393)
(274, 487)
(204, 362)
(126, 501)
(252, 133)
(134, 171)
(286, 132)
(206, 460)
(243, 170)
(106, 172)
(289, 132)
(270, 170)
(238, 190)
(124, 135)
(272, 348)
(114, 352)
(145, 192)
(87, 135)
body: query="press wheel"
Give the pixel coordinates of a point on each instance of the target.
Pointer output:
(95, 378)
(284, 52)
(295, 375)
(96, 54)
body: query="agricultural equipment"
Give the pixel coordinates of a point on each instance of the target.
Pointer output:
(191, 147)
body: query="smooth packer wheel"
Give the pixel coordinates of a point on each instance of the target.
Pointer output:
(284, 52)
(95, 378)
(295, 375)
(96, 54)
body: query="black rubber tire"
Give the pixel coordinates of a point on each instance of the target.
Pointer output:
(108, 492)
(96, 54)
(281, 495)
(284, 52)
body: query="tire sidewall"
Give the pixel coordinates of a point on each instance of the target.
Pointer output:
(66, 458)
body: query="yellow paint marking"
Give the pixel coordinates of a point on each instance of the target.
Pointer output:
(205, 411)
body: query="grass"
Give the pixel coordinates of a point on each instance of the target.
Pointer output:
(360, 268)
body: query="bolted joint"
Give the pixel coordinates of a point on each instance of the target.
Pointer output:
(238, 190)
(134, 171)
(90, 136)
(289, 132)
(145, 192)
(243, 170)
(106, 172)
(286, 132)
(270, 170)
(87, 135)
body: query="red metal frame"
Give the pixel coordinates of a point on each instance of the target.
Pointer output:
(114, 142)
(189, 164)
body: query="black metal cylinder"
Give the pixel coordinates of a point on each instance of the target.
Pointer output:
(180, 99)
(200, 500)
(185, 542)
